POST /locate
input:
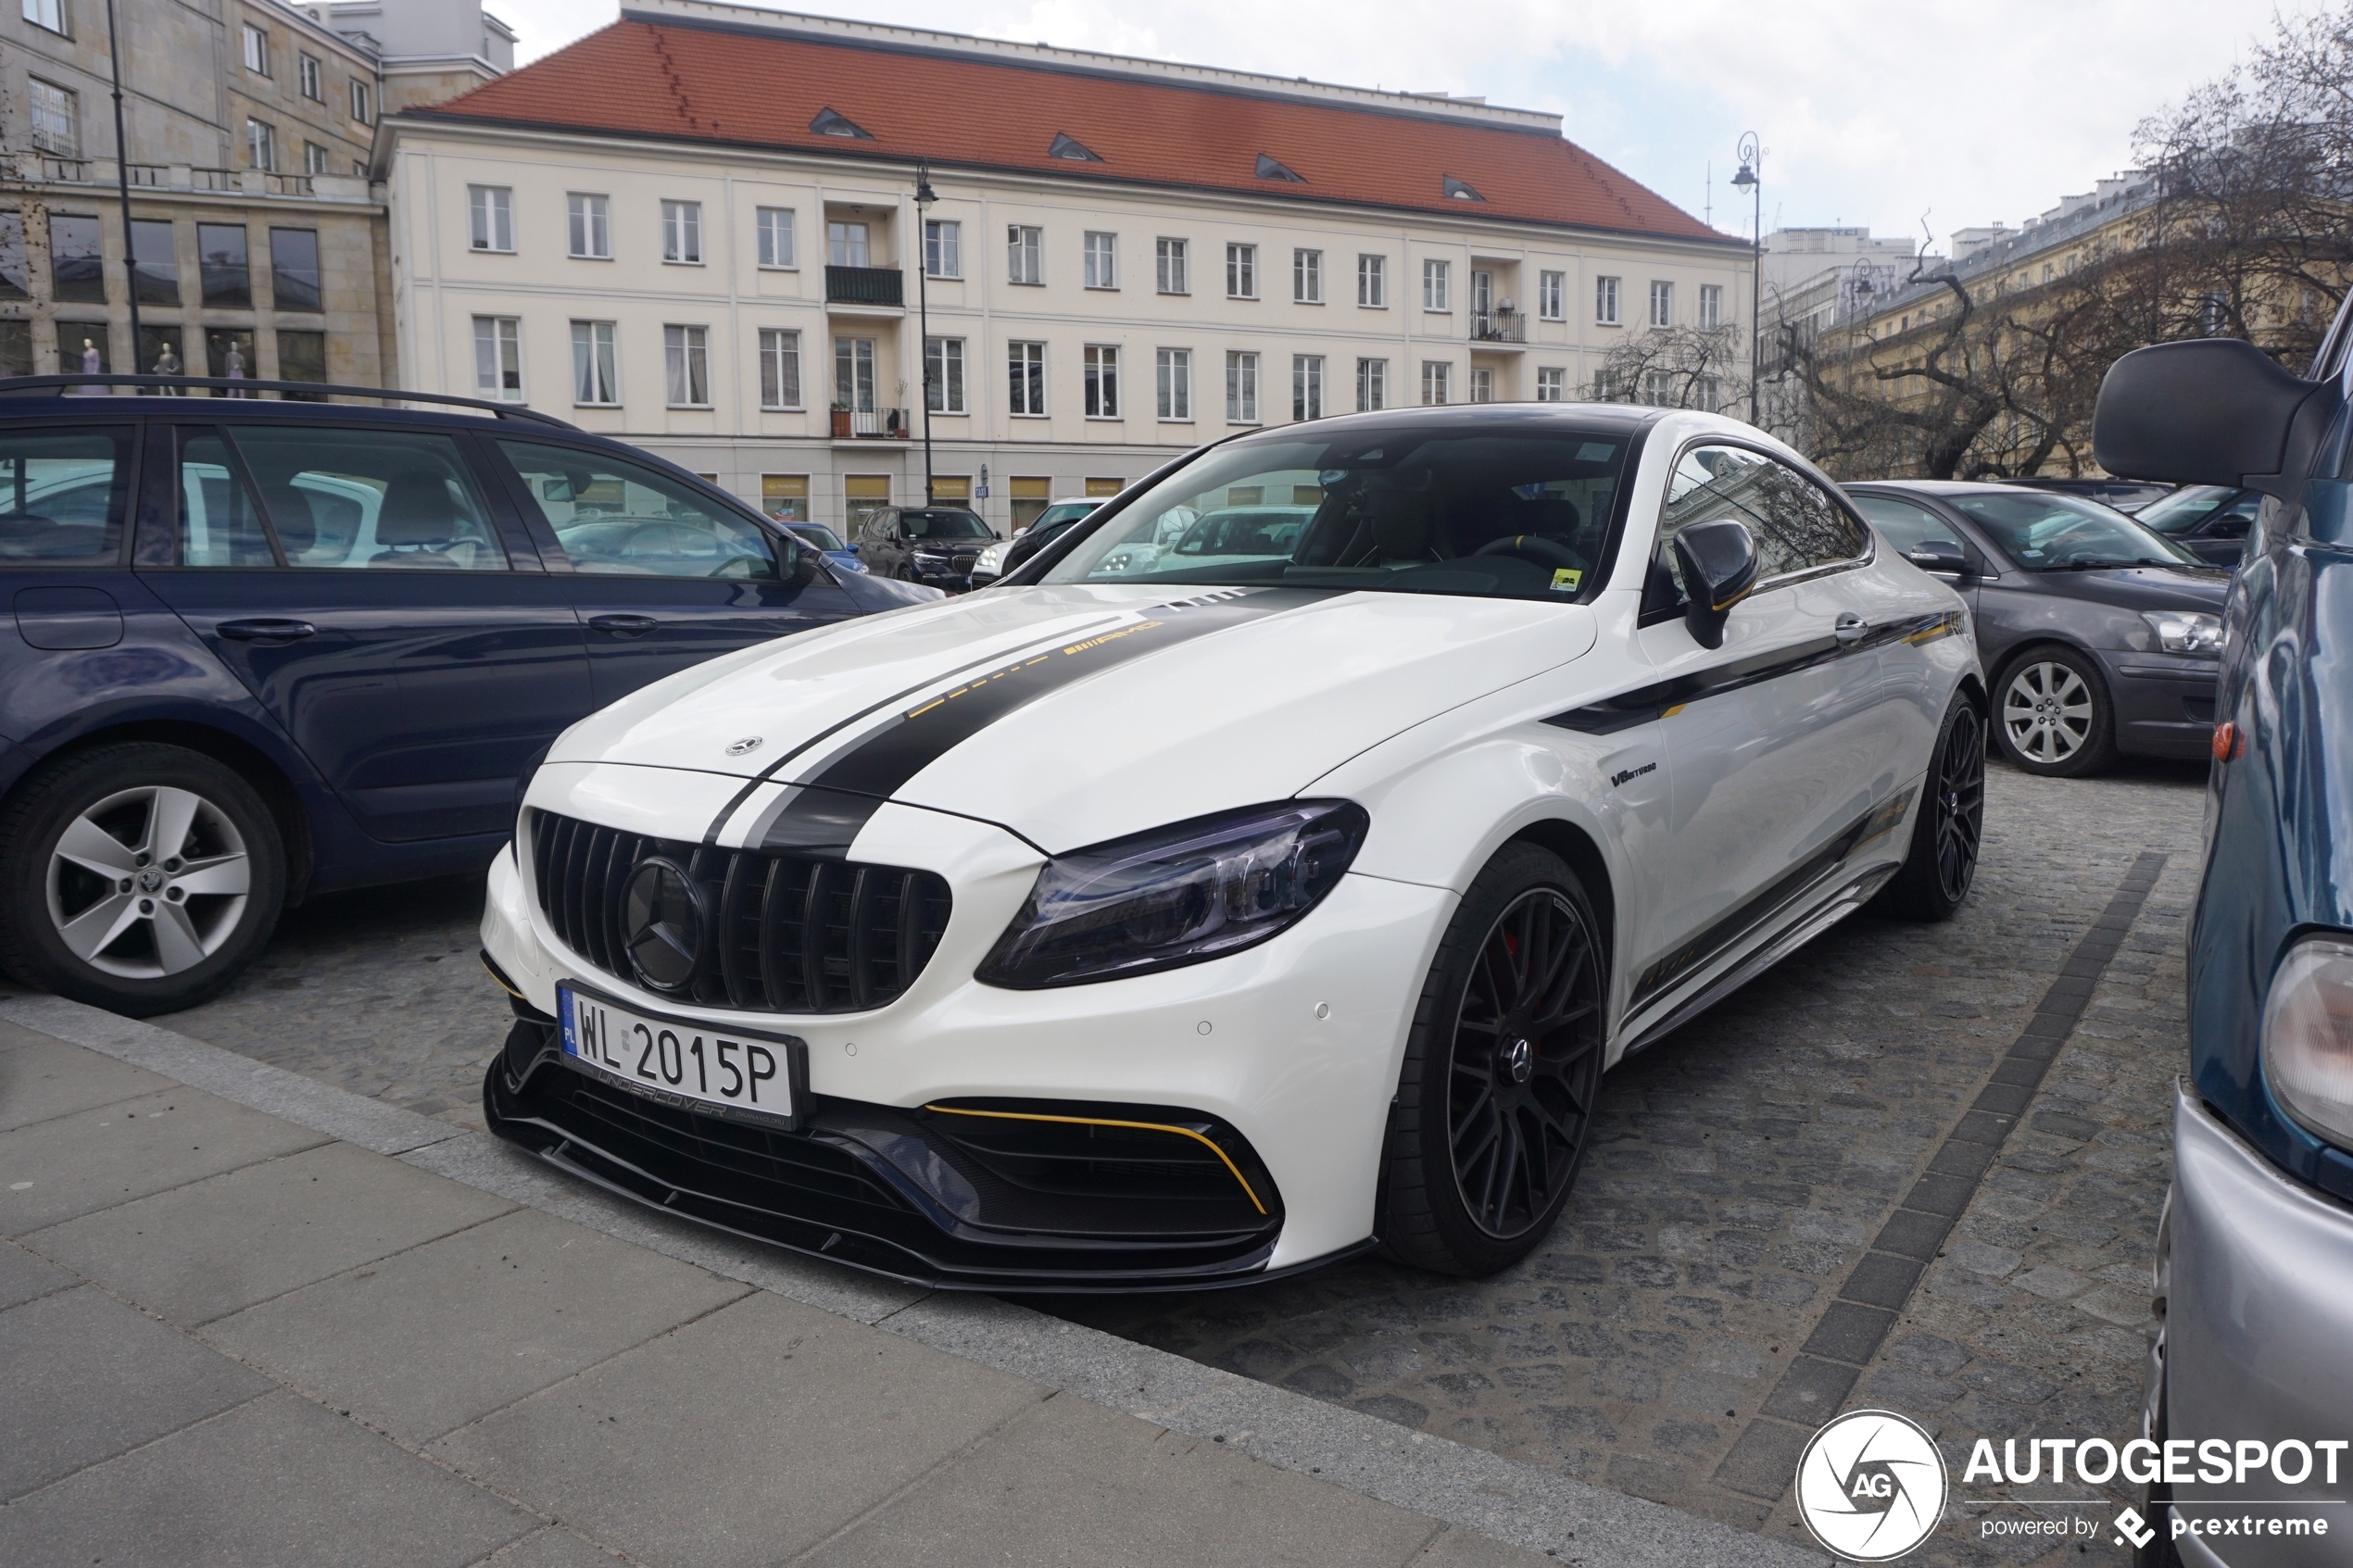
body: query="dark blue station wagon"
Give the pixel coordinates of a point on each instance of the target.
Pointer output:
(256, 650)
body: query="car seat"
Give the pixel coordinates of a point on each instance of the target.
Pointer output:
(416, 522)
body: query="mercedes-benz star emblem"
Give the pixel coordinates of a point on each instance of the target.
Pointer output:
(1517, 1060)
(661, 920)
(745, 746)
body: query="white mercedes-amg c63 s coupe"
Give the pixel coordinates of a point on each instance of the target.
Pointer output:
(1152, 930)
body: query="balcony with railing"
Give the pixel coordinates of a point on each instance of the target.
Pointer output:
(865, 286)
(1499, 326)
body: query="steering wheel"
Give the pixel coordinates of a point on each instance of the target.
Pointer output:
(1533, 547)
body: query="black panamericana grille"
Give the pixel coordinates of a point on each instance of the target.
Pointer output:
(791, 932)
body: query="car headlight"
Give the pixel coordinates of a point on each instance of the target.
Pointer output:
(2185, 631)
(1177, 895)
(2307, 1037)
(989, 557)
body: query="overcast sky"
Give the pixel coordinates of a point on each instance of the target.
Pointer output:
(1871, 115)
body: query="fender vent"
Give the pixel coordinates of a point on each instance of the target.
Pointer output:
(788, 932)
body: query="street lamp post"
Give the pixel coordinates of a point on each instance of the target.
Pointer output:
(122, 186)
(1753, 159)
(924, 196)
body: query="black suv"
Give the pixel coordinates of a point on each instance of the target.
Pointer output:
(933, 545)
(257, 649)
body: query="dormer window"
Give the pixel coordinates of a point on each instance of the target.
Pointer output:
(1065, 146)
(1461, 190)
(1270, 168)
(829, 124)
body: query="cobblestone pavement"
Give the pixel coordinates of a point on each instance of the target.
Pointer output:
(1741, 1170)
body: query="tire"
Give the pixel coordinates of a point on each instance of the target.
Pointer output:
(1949, 828)
(166, 928)
(2052, 714)
(1494, 1106)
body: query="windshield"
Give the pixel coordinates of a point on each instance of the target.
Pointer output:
(944, 525)
(1484, 510)
(817, 534)
(2043, 531)
(2184, 508)
(1063, 511)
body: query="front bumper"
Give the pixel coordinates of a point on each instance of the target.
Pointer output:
(2164, 702)
(2256, 1272)
(1294, 1046)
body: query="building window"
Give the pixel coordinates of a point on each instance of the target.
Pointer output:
(1659, 388)
(1173, 371)
(1024, 260)
(1026, 362)
(1371, 385)
(854, 374)
(220, 255)
(1482, 384)
(363, 105)
(1551, 385)
(1372, 282)
(490, 210)
(313, 84)
(56, 118)
(1306, 386)
(588, 221)
(1662, 303)
(293, 269)
(16, 272)
(1103, 382)
(682, 233)
(1102, 261)
(1437, 278)
(302, 356)
(1307, 277)
(77, 260)
(686, 356)
(1241, 273)
(943, 247)
(157, 272)
(1242, 389)
(1552, 291)
(1605, 302)
(773, 225)
(314, 158)
(784, 497)
(50, 14)
(779, 369)
(1438, 381)
(846, 244)
(1168, 267)
(261, 146)
(594, 378)
(1711, 305)
(256, 50)
(1708, 392)
(944, 373)
(498, 357)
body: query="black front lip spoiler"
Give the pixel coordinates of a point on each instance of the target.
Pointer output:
(576, 1157)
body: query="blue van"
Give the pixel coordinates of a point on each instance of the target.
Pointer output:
(257, 649)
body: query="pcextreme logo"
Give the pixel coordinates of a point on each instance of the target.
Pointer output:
(1871, 1486)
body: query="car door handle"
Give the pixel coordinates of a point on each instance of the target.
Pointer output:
(624, 625)
(265, 630)
(1849, 629)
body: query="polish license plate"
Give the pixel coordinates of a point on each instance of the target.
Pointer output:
(681, 1063)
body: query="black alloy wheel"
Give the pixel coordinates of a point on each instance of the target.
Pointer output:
(1948, 829)
(1502, 1072)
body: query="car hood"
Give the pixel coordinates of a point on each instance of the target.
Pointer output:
(1072, 714)
(2143, 587)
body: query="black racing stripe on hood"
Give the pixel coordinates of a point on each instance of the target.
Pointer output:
(882, 762)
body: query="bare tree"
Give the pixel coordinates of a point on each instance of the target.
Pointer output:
(1673, 367)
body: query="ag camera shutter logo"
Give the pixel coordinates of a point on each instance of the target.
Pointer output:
(1871, 1486)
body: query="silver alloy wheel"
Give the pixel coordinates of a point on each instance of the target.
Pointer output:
(2048, 712)
(148, 882)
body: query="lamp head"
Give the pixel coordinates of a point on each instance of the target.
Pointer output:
(925, 194)
(1745, 179)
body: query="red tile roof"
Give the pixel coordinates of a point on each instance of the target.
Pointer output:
(741, 87)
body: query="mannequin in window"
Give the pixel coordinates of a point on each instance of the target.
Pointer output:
(233, 366)
(91, 367)
(168, 364)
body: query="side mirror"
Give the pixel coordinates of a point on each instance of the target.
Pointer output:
(1940, 555)
(2216, 412)
(1720, 567)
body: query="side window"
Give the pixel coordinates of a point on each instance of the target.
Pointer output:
(2235, 519)
(1796, 524)
(878, 524)
(617, 519)
(218, 524)
(1903, 525)
(376, 499)
(61, 494)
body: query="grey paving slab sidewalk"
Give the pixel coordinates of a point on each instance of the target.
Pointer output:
(228, 1336)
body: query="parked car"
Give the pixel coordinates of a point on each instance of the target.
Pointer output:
(1190, 928)
(1226, 533)
(259, 650)
(828, 543)
(2100, 637)
(1048, 526)
(2254, 1276)
(2209, 520)
(2127, 495)
(938, 546)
